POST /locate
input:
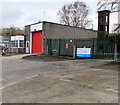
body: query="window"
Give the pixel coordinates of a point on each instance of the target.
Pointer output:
(106, 18)
(14, 43)
(17, 43)
(21, 43)
(106, 28)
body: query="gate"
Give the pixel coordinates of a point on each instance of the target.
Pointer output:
(86, 43)
(53, 46)
(65, 47)
(62, 47)
(108, 49)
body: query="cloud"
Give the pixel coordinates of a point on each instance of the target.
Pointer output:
(35, 1)
(10, 15)
(20, 14)
(23, 12)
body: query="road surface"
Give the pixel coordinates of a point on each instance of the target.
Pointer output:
(81, 81)
(14, 68)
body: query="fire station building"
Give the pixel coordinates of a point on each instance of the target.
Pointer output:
(46, 37)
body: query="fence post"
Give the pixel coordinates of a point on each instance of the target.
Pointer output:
(59, 47)
(74, 47)
(115, 53)
(47, 46)
(93, 50)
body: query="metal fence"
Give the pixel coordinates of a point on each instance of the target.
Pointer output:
(107, 49)
(62, 47)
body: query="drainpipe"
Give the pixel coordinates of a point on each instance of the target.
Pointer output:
(47, 46)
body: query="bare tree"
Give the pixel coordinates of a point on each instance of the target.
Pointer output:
(116, 28)
(75, 14)
(111, 5)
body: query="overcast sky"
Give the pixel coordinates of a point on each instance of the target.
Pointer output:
(19, 13)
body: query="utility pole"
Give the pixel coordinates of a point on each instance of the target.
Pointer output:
(44, 14)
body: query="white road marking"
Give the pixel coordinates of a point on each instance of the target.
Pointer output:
(8, 85)
(18, 81)
(112, 90)
(96, 69)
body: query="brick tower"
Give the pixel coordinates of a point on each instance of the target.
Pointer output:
(103, 25)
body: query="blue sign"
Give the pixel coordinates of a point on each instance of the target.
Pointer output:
(83, 55)
(83, 52)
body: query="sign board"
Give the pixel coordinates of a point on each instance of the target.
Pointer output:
(36, 27)
(83, 52)
(18, 37)
(66, 45)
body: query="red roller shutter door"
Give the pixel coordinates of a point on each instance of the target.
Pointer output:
(37, 42)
